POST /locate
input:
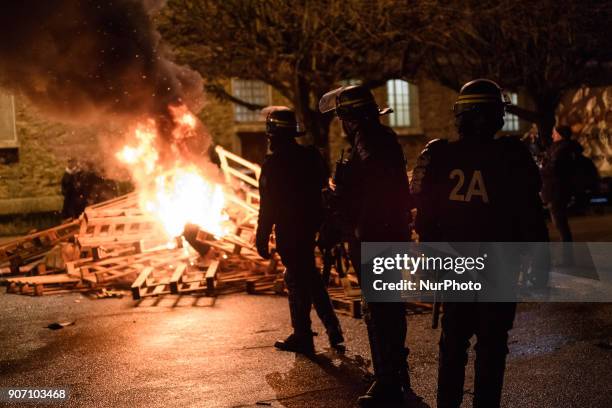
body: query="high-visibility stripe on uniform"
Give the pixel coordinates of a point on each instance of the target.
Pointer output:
(282, 123)
(477, 101)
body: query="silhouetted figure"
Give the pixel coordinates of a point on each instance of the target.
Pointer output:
(290, 187)
(557, 174)
(477, 189)
(375, 200)
(74, 199)
(95, 186)
(533, 142)
(84, 185)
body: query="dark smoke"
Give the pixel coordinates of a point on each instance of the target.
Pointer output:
(90, 60)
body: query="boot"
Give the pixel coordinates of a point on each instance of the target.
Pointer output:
(296, 344)
(382, 394)
(404, 377)
(336, 339)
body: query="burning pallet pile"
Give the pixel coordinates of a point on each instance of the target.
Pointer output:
(117, 244)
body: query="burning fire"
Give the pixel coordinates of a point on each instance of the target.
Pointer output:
(178, 195)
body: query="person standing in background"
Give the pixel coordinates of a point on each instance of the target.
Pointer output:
(70, 184)
(557, 182)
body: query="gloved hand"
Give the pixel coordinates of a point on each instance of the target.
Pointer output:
(262, 246)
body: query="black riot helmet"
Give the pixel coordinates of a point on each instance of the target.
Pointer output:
(479, 93)
(479, 109)
(351, 103)
(281, 122)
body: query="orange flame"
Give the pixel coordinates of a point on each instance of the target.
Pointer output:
(179, 195)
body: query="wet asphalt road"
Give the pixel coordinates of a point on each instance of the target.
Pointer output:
(185, 352)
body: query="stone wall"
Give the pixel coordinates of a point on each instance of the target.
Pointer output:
(218, 118)
(32, 183)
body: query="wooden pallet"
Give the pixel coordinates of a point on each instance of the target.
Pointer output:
(148, 283)
(113, 268)
(232, 245)
(242, 212)
(127, 201)
(102, 231)
(350, 305)
(175, 278)
(233, 167)
(266, 285)
(243, 200)
(21, 251)
(45, 285)
(90, 214)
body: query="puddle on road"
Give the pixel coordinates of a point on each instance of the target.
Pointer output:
(539, 346)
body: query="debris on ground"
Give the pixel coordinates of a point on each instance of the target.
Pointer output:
(58, 326)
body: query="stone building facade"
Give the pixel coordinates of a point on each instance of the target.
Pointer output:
(424, 109)
(34, 150)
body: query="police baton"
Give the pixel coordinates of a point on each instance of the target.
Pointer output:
(435, 318)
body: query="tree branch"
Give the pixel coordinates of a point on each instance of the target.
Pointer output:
(525, 114)
(219, 91)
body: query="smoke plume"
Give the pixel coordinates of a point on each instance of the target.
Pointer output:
(91, 60)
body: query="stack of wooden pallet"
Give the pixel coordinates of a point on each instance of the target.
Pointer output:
(114, 243)
(25, 254)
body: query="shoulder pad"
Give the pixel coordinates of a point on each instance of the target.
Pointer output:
(423, 164)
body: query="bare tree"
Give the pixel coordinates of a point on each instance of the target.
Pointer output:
(302, 48)
(544, 47)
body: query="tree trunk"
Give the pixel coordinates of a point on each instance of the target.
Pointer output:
(316, 124)
(525, 114)
(546, 106)
(318, 129)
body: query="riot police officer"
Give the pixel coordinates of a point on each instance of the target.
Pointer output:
(477, 189)
(290, 188)
(376, 203)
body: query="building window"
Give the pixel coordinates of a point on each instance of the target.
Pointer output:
(398, 98)
(9, 151)
(511, 122)
(251, 91)
(8, 134)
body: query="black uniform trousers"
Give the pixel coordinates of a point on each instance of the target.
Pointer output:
(387, 327)
(305, 284)
(490, 322)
